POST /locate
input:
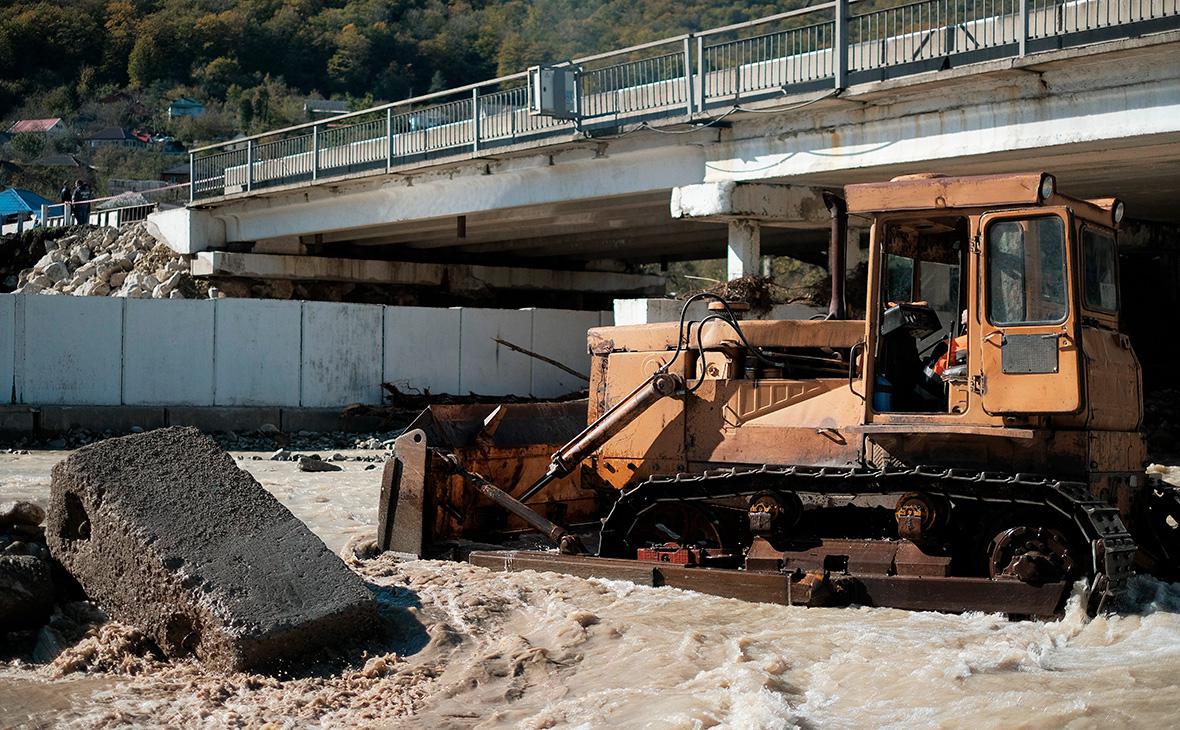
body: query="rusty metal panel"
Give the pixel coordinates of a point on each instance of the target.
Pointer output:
(944, 192)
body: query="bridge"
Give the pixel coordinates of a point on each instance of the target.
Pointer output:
(470, 183)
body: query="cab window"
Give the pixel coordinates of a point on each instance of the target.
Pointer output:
(1099, 256)
(1026, 271)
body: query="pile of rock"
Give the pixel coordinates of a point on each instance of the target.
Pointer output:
(26, 586)
(125, 262)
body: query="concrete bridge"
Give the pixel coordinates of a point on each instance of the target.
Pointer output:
(467, 184)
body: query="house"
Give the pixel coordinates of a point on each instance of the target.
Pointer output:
(38, 126)
(185, 107)
(177, 174)
(321, 108)
(19, 207)
(116, 136)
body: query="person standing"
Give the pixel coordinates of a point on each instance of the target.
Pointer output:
(67, 196)
(81, 200)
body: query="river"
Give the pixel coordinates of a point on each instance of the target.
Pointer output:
(470, 648)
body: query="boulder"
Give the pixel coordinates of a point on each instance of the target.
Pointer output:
(306, 463)
(166, 533)
(26, 592)
(20, 513)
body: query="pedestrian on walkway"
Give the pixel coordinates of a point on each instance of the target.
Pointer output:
(81, 200)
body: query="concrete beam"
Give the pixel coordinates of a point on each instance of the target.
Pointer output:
(456, 276)
(729, 200)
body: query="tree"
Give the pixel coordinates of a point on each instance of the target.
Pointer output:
(27, 146)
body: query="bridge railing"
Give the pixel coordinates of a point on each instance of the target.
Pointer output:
(685, 78)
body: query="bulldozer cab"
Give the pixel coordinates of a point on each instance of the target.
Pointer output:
(977, 294)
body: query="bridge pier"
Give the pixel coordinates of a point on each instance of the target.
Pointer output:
(745, 248)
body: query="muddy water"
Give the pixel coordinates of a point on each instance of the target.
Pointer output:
(471, 648)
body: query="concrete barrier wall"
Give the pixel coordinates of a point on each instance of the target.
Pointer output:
(7, 349)
(162, 338)
(248, 352)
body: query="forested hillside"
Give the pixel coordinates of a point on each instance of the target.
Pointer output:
(247, 56)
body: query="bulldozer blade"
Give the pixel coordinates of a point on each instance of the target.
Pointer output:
(425, 499)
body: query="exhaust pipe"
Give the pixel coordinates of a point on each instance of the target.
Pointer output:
(837, 254)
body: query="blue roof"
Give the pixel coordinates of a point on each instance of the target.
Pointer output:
(15, 200)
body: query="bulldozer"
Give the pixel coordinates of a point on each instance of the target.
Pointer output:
(973, 443)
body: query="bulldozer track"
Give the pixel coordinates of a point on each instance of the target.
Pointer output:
(1112, 547)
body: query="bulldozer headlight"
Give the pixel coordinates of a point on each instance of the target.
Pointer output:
(1048, 185)
(1117, 212)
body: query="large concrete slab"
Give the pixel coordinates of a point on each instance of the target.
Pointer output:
(168, 352)
(256, 352)
(166, 533)
(488, 368)
(341, 361)
(71, 350)
(422, 349)
(7, 348)
(561, 335)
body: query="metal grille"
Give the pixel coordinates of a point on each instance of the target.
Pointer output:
(1026, 354)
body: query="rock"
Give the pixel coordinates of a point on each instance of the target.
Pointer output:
(94, 288)
(269, 429)
(21, 513)
(176, 294)
(310, 464)
(56, 272)
(337, 457)
(117, 279)
(280, 455)
(26, 592)
(164, 288)
(143, 523)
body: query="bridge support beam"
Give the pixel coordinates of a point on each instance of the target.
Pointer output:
(746, 208)
(745, 248)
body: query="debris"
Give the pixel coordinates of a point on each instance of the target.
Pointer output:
(307, 463)
(542, 358)
(141, 522)
(26, 591)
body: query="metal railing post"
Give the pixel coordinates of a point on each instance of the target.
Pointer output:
(249, 165)
(840, 45)
(688, 94)
(315, 152)
(192, 177)
(475, 119)
(388, 139)
(701, 74)
(1022, 27)
(44, 216)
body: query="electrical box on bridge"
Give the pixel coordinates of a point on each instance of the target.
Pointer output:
(553, 91)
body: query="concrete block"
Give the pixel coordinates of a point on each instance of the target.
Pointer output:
(422, 349)
(166, 533)
(256, 352)
(561, 335)
(118, 419)
(647, 311)
(17, 419)
(486, 367)
(341, 354)
(72, 350)
(7, 348)
(168, 352)
(223, 419)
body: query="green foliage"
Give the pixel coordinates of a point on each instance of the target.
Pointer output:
(27, 147)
